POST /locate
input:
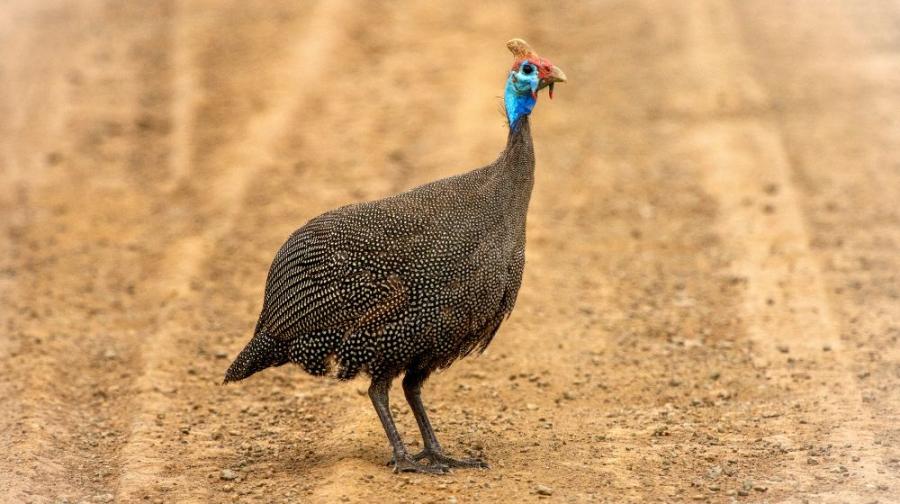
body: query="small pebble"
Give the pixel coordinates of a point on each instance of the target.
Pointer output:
(227, 475)
(543, 490)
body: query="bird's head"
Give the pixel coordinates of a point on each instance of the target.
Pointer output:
(529, 74)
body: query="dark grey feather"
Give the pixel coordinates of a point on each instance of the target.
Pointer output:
(413, 281)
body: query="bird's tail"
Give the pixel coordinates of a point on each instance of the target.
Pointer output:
(263, 351)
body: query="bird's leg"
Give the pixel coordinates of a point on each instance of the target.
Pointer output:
(412, 388)
(403, 462)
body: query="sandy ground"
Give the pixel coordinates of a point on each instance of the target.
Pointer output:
(711, 305)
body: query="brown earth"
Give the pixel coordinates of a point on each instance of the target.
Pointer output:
(711, 306)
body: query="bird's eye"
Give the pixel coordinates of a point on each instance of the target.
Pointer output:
(527, 69)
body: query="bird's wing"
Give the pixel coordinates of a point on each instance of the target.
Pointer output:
(315, 284)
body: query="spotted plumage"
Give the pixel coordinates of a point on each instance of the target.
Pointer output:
(406, 284)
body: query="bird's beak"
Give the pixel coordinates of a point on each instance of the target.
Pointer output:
(556, 75)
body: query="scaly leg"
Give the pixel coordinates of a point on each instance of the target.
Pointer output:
(412, 388)
(403, 462)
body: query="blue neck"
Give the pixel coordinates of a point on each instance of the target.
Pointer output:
(519, 100)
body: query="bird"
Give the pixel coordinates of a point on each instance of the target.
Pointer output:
(410, 283)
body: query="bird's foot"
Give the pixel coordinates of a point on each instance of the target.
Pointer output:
(437, 457)
(410, 463)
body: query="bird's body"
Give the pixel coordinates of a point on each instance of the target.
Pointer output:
(416, 280)
(406, 284)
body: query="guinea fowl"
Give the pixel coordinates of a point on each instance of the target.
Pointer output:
(410, 283)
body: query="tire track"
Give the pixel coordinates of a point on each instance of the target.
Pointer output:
(47, 406)
(184, 96)
(144, 464)
(836, 87)
(633, 342)
(785, 306)
(14, 193)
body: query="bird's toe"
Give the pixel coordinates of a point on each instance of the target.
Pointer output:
(465, 463)
(408, 464)
(441, 459)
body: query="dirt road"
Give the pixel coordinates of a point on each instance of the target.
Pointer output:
(711, 305)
